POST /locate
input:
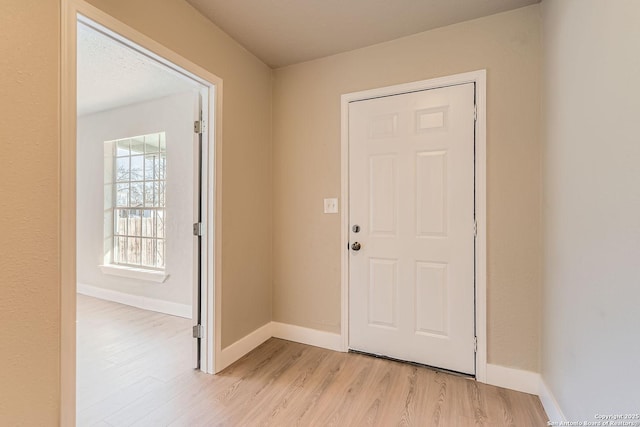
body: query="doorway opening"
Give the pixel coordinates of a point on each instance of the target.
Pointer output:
(140, 211)
(139, 192)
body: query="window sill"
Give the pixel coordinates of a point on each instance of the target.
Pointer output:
(134, 273)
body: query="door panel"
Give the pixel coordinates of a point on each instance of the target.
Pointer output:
(411, 186)
(431, 194)
(432, 302)
(383, 286)
(383, 174)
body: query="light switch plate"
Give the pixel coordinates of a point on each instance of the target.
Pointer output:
(330, 206)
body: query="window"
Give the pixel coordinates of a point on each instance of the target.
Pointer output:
(138, 203)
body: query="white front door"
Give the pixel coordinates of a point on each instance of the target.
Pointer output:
(411, 212)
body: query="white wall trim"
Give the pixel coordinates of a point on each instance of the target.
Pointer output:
(244, 345)
(139, 301)
(514, 379)
(549, 403)
(308, 336)
(526, 382)
(479, 78)
(134, 273)
(284, 331)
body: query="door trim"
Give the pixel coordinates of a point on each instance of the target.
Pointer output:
(480, 79)
(71, 11)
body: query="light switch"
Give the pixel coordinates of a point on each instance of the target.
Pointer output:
(330, 206)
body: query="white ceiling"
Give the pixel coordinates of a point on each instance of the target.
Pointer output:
(284, 32)
(112, 75)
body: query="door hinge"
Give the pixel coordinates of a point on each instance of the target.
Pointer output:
(475, 112)
(475, 228)
(198, 126)
(198, 331)
(475, 344)
(197, 229)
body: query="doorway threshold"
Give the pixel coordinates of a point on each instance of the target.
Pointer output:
(420, 365)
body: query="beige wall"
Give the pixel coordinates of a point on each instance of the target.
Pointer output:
(591, 233)
(246, 174)
(29, 145)
(306, 168)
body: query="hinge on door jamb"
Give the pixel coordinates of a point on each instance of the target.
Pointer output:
(198, 331)
(475, 344)
(475, 112)
(198, 126)
(197, 229)
(475, 228)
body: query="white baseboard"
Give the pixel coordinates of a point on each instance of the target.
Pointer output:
(146, 303)
(235, 351)
(284, 331)
(514, 379)
(550, 403)
(308, 336)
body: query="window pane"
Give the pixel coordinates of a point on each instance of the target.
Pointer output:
(136, 168)
(161, 167)
(134, 252)
(137, 189)
(122, 148)
(120, 250)
(161, 193)
(149, 194)
(148, 252)
(122, 169)
(148, 228)
(134, 223)
(122, 194)
(158, 187)
(120, 226)
(150, 167)
(137, 145)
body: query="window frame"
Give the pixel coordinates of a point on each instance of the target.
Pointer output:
(158, 206)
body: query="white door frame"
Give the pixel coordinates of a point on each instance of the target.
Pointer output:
(479, 78)
(71, 11)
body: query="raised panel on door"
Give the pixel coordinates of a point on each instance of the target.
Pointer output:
(411, 186)
(432, 299)
(383, 195)
(382, 300)
(431, 193)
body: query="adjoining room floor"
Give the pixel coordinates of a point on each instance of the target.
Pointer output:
(134, 368)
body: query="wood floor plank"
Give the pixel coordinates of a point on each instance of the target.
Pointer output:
(134, 369)
(99, 411)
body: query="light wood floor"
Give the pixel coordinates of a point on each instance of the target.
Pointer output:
(134, 369)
